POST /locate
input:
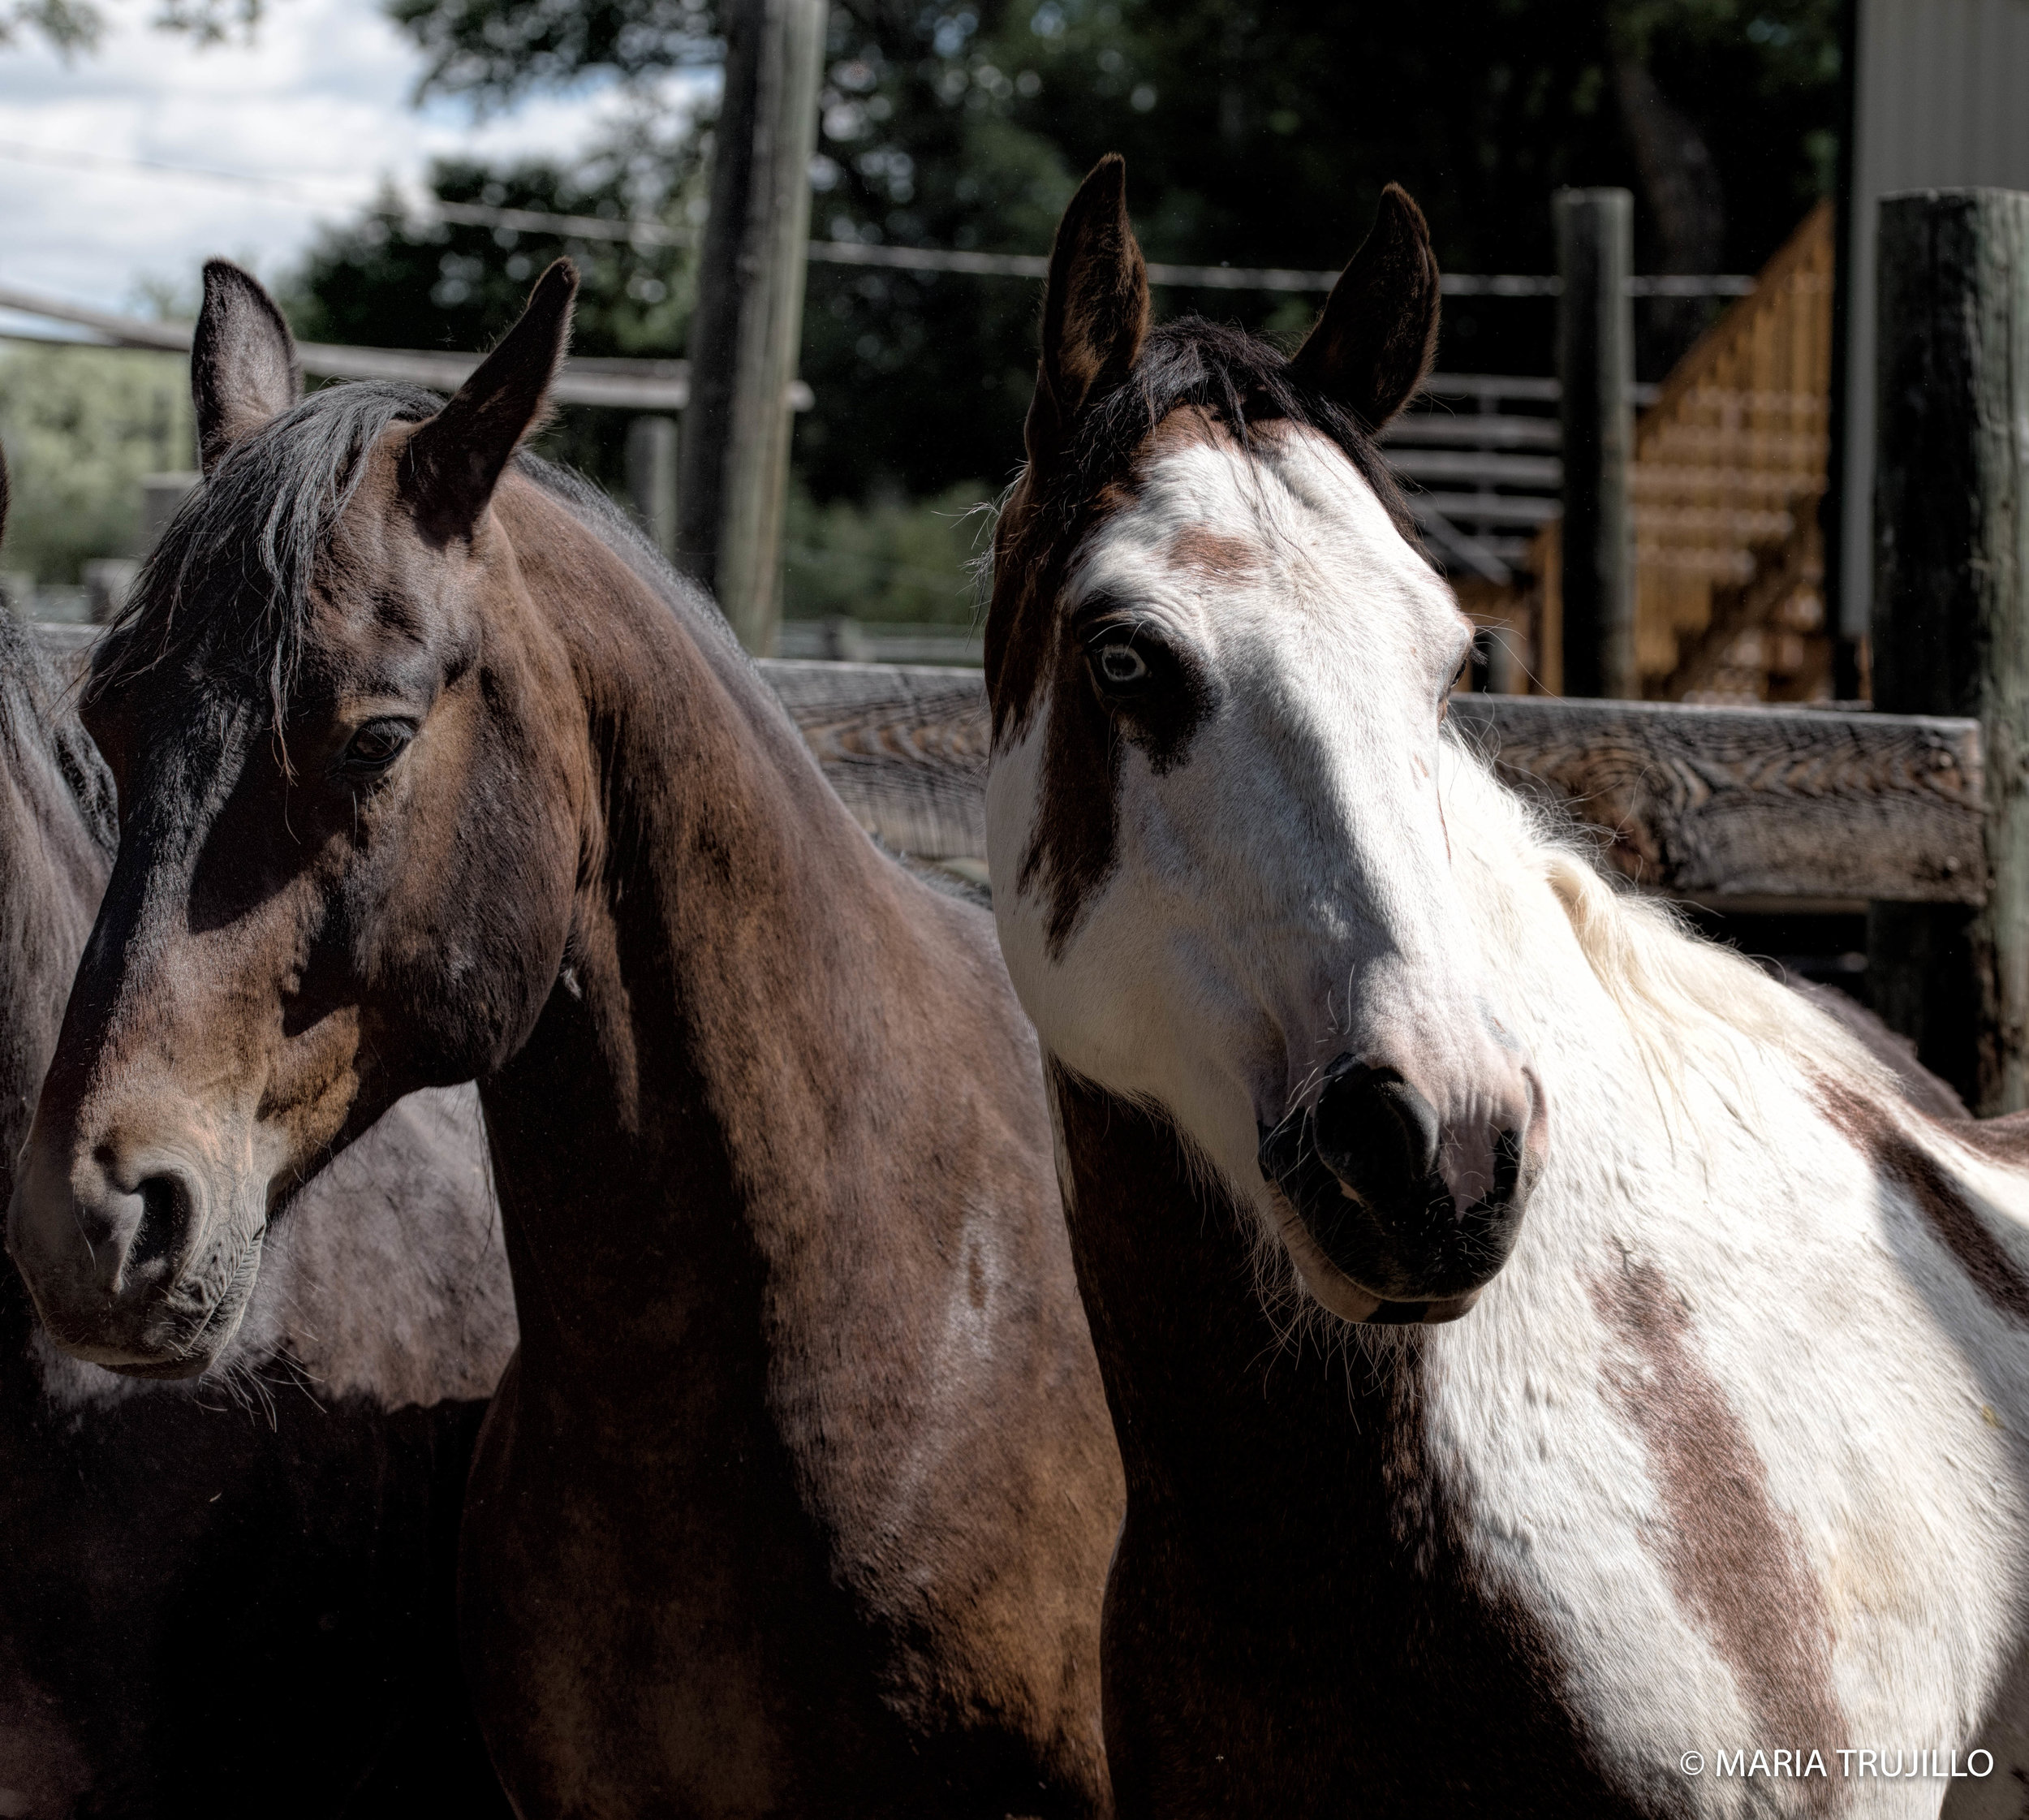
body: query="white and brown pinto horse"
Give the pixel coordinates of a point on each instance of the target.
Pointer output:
(1542, 1347)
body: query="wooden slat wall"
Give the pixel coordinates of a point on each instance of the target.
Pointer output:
(1729, 463)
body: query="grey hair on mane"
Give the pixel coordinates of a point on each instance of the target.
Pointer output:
(232, 573)
(34, 706)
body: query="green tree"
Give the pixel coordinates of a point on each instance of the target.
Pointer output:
(81, 426)
(1257, 131)
(394, 279)
(70, 27)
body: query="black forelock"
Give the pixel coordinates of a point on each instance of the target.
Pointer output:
(1240, 380)
(230, 576)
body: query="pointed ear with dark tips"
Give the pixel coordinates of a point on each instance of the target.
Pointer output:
(454, 462)
(243, 361)
(1095, 309)
(1374, 345)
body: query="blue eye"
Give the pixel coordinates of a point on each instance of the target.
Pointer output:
(1121, 666)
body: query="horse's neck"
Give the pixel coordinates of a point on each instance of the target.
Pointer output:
(47, 909)
(757, 1006)
(1213, 1394)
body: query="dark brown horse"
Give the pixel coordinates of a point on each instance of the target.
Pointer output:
(234, 1595)
(798, 1495)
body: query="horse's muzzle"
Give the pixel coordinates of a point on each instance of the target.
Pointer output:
(1373, 1174)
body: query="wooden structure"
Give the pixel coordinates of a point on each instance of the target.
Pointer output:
(630, 384)
(1936, 100)
(1721, 804)
(1716, 803)
(1596, 378)
(1730, 461)
(1950, 600)
(747, 328)
(1485, 449)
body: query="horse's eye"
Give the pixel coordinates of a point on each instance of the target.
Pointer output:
(1119, 665)
(375, 747)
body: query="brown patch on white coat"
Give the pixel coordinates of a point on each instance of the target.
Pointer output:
(1736, 1562)
(1293, 1625)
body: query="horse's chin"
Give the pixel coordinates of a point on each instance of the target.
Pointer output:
(1338, 1294)
(190, 1357)
(169, 1369)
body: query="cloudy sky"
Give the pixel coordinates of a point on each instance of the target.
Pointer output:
(318, 104)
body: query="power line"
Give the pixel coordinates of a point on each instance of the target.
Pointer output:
(639, 233)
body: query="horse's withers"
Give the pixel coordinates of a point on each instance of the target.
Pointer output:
(1224, 883)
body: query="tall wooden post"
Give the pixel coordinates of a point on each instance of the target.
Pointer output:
(748, 325)
(1950, 611)
(652, 457)
(1596, 370)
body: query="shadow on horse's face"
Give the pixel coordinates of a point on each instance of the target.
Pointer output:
(349, 831)
(1222, 873)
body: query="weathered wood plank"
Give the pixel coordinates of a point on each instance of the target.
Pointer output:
(734, 462)
(1706, 802)
(1951, 605)
(904, 745)
(1595, 366)
(1739, 802)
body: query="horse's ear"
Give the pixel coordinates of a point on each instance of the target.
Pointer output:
(454, 461)
(1375, 344)
(1095, 309)
(243, 361)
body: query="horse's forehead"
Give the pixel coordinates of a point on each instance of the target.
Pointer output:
(1284, 520)
(373, 576)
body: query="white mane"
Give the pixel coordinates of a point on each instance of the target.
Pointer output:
(1690, 1003)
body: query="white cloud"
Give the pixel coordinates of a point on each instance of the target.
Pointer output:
(321, 99)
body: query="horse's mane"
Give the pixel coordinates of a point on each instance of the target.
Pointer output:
(34, 706)
(246, 542)
(597, 511)
(1695, 1007)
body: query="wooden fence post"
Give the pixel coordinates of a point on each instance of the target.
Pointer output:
(652, 456)
(1951, 606)
(748, 326)
(1596, 368)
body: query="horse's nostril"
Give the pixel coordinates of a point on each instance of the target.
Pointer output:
(1375, 1131)
(165, 1220)
(1507, 1169)
(1392, 1200)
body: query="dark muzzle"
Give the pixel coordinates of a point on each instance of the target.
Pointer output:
(1362, 1168)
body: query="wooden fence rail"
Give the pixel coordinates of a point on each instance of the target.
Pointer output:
(1709, 803)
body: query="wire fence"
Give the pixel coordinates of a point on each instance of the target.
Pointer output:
(646, 232)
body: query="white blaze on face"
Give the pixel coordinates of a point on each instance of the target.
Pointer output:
(1281, 892)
